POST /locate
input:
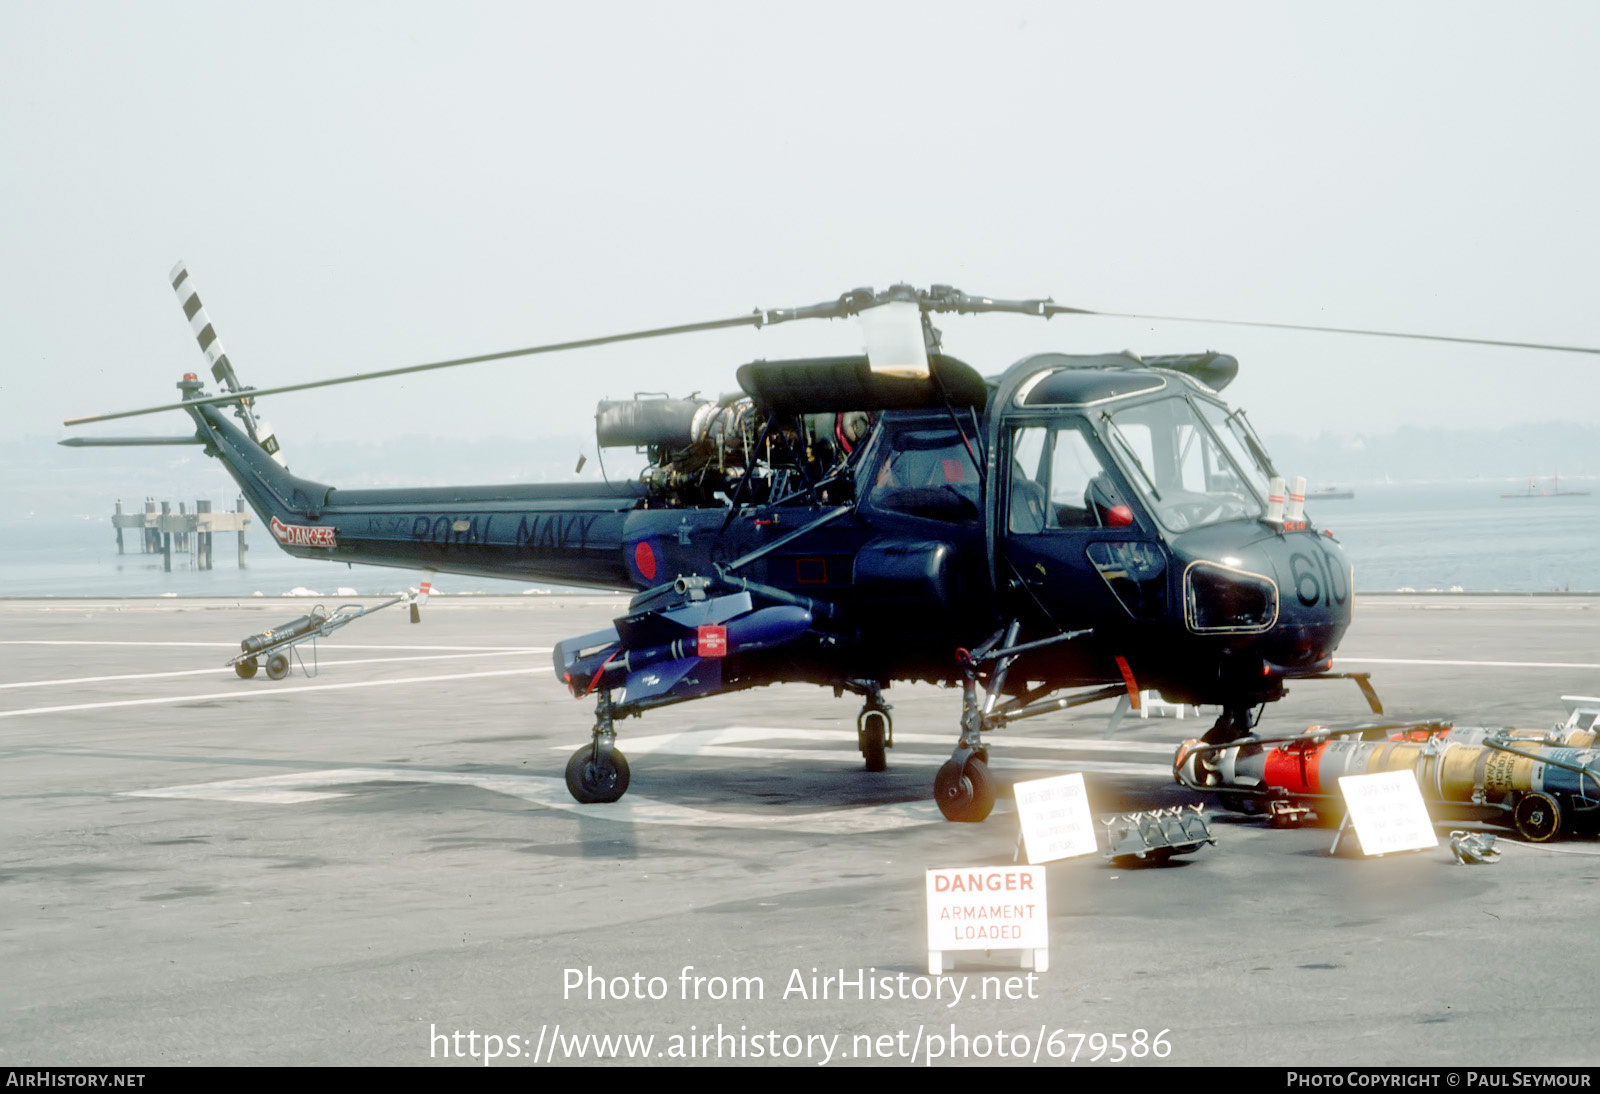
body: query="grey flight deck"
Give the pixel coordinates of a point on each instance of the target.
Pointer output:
(196, 868)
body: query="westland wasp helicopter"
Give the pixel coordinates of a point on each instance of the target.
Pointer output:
(1076, 528)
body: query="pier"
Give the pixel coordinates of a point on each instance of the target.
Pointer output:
(163, 531)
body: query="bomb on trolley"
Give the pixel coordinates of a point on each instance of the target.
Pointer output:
(1538, 783)
(274, 647)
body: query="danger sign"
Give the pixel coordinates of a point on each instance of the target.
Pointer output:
(988, 908)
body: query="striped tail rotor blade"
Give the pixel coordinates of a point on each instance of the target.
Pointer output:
(205, 333)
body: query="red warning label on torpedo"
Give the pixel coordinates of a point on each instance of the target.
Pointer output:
(302, 535)
(712, 642)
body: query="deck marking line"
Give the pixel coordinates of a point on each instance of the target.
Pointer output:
(552, 793)
(1341, 660)
(226, 669)
(252, 693)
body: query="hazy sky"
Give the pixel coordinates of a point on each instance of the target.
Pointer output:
(362, 186)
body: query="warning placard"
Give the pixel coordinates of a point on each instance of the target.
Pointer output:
(1055, 818)
(1387, 812)
(987, 908)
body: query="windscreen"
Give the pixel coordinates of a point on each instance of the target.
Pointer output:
(1185, 473)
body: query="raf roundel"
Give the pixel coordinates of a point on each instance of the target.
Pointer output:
(644, 560)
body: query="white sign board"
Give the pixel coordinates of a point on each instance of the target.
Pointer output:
(1055, 818)
(1387, 812)
(988, 908)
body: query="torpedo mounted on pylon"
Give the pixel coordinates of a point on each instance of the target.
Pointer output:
(1072, 529)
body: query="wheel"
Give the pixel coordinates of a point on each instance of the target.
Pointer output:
(277, 667)
(874, 731)
(1537, 817)
(590, 782)
(246, 668)
(964, 793)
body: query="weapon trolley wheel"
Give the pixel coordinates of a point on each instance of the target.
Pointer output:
(1537, 817)
(246, 668)
(873, 729)
(592, 782)
(964, 793)
(277, 667)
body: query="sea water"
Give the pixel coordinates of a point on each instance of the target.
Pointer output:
(1442, 537)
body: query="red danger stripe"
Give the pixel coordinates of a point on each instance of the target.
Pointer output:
(302, 535)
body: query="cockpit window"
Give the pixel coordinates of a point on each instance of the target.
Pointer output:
(1057, 480)
(1188, 475)
(928, 473)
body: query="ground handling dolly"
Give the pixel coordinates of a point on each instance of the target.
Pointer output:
(277, 645)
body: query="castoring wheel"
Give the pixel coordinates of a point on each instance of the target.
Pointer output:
(873, 730)
(277, 667)
(964, 793)
(592, 782)
(1537, 817)
(246, 668)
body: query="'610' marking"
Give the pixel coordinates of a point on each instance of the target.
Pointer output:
(1317, 577)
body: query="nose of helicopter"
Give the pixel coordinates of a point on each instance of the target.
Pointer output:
(1315, 598)
(1281, 600)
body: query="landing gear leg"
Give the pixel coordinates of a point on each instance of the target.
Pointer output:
(1234, 722)
(875, 729)
(963, 788)
(598, 772)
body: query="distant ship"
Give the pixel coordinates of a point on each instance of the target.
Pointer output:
(1332, 493)
(1555, 490)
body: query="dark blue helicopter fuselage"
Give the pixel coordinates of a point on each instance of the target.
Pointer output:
(955, 527)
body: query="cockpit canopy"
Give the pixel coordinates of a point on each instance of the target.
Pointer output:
(1190, 460)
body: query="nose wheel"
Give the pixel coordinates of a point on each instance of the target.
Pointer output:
(875, 731)
(964, 792)
(597, 773)
(594, 777)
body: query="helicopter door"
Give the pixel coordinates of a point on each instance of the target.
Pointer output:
(1072, 536)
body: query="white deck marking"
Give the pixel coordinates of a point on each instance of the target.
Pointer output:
(1340, 659)
(733, 743)
(235, 645)
(269, 690)
(552, 794)
(226, 669)
(712, 742)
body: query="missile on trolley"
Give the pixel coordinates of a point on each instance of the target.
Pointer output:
(664, 657)
(1538, 783)
(294, 629)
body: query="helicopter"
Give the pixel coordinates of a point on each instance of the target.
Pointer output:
(1074, 529)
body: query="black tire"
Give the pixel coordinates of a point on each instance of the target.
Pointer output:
(964, 793)
(246, 668)
(874, 732)
(277, 667)
(1537, 817)
(592, 783)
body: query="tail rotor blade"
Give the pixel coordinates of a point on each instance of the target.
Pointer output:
(205, 333)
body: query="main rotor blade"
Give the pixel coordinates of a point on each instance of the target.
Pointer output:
(754, 319)
(1057, 309)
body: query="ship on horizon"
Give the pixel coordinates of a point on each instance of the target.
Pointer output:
(1555, 490)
